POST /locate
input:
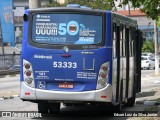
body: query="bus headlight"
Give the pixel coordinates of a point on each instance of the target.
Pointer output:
(103, 76)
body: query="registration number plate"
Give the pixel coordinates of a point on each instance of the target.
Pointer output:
(65, 85)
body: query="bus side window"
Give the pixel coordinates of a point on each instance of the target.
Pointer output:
(114, 31)
(114, 40)
(133, 40)
(124, 41)
(121, 40)
(130, 41)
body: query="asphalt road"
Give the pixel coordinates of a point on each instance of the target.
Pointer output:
(66, 113)
(10, 86)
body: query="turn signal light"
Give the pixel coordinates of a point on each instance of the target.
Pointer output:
(27, 66)
(105, 68)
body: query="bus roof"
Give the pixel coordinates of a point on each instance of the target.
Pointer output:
(68, 9)
(123, 18)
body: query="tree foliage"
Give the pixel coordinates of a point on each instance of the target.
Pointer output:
(150, 7)
(53, 3)
(148, 46)
(95, 4)
(158, 22)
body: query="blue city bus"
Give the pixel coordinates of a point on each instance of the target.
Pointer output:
(79, 56)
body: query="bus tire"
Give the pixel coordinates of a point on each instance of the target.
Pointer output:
(43, 107)
(131, 101)
(54, 108)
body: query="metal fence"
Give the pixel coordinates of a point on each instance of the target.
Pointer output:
(6, 61)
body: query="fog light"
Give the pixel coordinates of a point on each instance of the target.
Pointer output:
(102, 82)
(28, 80)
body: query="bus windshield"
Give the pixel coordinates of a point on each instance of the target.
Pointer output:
(67, 28)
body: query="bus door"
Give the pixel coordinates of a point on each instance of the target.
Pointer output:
(127, 61)
(138, 60)
(118, 61)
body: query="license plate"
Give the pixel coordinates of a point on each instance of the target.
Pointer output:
(65, 85)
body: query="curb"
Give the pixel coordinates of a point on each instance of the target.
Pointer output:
(147, 102)
(9, 97)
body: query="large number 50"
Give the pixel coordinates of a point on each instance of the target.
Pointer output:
(63, 28)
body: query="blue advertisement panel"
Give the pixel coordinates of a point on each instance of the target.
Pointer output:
(67, 28)
(6, 21)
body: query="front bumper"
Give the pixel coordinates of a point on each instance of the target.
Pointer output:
(102, 95)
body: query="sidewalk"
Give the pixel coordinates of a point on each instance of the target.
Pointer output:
(10, 50)
(151, 97)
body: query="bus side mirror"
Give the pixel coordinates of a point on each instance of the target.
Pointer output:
(25, 17)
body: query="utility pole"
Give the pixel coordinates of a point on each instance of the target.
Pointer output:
(1, 38)
(129, 11)
(2, 45)
(156, 48)
(34, 4)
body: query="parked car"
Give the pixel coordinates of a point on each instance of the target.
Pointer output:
(147, 62)
(145, 54)
(15, 67)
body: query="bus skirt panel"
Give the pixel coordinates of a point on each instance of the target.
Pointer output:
(102, 95)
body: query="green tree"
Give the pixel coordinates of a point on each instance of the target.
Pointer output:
(148, 46)
(158, 22)
(54, 3)
(150, 7)
(95, 4)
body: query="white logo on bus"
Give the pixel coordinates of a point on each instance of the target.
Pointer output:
(43, 57)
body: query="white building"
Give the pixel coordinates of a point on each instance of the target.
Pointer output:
(18, 10)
